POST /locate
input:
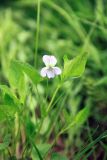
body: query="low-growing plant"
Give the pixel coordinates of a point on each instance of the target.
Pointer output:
(49, 108)
(23, 136)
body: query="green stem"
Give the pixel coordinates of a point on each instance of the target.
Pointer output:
(37, 33)
(91, 140)
(9, 153)
(53, 97)
(48, 108)
(57, 136)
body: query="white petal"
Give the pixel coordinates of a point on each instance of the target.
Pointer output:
(50, 73)
(43, 72)
(49, 60)
(46, 60)
(57, 70)
(53, 60)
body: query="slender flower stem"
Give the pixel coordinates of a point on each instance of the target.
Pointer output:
(9, 153)
(37, 33)
(47, 88)
(48, 108)
(53, 97)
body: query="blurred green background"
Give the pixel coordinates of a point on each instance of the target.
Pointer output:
(67, 27)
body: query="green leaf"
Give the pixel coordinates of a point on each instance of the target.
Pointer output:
(7, 91)
(29, 70)
(10, 104)
(7, 111)
(79, 119)
(89, 153)
(82, 116)
(102, 81)
(80, 154)
(2, 115)
(17, 81)
(6, 142)
(42, 148)
(8, 100)
(75, 67)
(15, 74)
(37, 154)
(57, 156)
(30, 128)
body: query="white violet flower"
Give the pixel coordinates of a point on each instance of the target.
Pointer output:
(50, 70)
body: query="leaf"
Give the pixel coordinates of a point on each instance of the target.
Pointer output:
(67, 116)
(82, 116)
(89, 153)
(79, 119)
(6, 90)
(15, 74)
(30, 127)
(8, 100)
(7, 111)
(75, 67)
(10, 104)
(90, 145)
(22, 88)
(38, 154)
(29, 70)
(17, 81)
(102, 81)
(57, 156)
(42, 148)
(6, 142)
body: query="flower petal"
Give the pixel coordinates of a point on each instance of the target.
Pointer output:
(49, 60)
(50, 73)
(46, 60)
(57, 70)
(43, 72)
(53, 60)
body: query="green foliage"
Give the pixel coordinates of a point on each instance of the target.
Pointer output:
(74, 68)
(10, 104)
(30, 128)
(42, 149)
(82, 116)
(30, 71)
(56, 156)
(7, 112)
(83, 30)
(6, 141)
(90, 145)
(17, 81)
(7, 91)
